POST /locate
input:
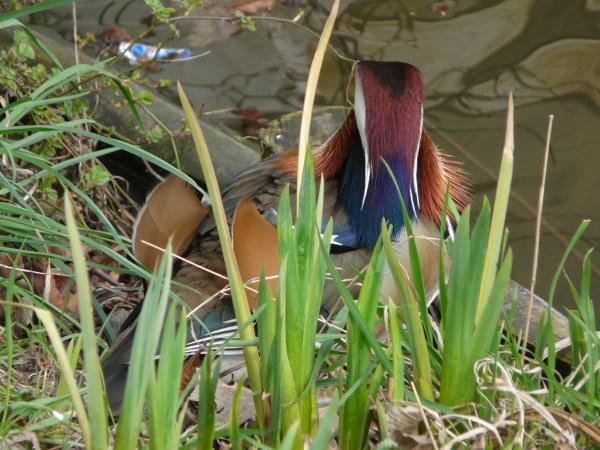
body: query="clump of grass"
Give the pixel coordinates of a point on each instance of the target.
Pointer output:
(463, 382)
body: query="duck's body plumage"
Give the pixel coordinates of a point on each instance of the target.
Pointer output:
(384, 125)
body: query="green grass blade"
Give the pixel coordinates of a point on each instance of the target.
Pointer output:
(7, 309)
(397, 384)
(266, 323)
(417, 275)
(164, 424)
(290, 438)
(206, 407)
(147, 336)
(286, 410)
(496, 234)
(355, 313)
(95, 385)
(356, 408)
(571, 245)
(73, 353)
(67, 374)
(322, 439)
(43, 102)
(36, 8)
(234, 424)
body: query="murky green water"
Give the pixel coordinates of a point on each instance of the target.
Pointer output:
(472, 53)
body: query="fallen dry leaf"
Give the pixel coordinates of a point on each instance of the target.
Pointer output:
(251, 6)
(189, 369)
(56, 289)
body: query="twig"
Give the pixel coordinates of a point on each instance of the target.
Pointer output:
(424, 417)
(75, 35)
(538, 227)
(76, 56)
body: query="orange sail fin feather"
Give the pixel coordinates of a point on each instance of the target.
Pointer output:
(255, 247)
(163, 217)
(329, 157)
(437, 174)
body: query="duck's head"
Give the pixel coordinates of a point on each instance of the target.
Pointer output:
(388, 122)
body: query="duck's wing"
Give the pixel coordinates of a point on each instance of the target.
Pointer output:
(262, 182)
(200, 280)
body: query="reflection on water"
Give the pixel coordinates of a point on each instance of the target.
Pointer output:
(472, 53)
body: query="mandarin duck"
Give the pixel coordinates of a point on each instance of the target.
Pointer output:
(386, 123)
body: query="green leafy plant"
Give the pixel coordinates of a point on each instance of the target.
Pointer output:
(353, 424)
(246, 22)
(474, 290)
(585, 341)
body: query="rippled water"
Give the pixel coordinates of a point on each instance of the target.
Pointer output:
(472, 53)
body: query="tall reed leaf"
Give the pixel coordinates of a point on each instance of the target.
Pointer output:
(311, 91)
(465, 339)
(492, 255)
(286, 411)
(238, 292)
(301, 281)
(306, 277)
(473, 297)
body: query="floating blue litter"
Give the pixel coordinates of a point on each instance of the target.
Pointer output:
(138, 52)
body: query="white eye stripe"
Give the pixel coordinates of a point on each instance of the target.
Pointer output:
(361, 117)
(412, 201)
(416, 161)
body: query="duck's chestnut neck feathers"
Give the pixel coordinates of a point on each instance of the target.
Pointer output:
(388, 109)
